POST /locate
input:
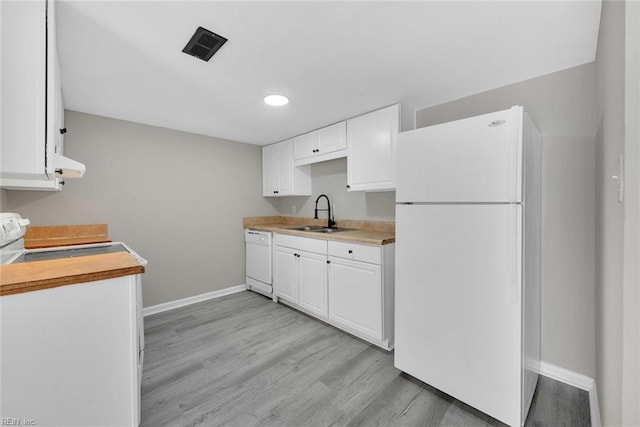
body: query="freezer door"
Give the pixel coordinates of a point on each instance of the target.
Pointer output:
(458, 302)
(478, 159)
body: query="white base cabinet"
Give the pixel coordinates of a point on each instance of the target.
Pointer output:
(285, 273)
(300, 272)
(313, 283)
(355, 289)
(348, 285)
(72, 355)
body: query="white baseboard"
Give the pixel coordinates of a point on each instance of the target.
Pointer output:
(159, 308)
(577, 380)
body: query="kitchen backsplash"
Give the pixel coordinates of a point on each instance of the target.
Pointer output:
(330, 178)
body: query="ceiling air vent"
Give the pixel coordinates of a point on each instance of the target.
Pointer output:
(204, 44)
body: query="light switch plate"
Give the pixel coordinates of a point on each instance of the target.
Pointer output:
(619, 177)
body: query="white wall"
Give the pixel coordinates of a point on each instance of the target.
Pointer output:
(176, 198)
(330, 178)
(609, 224)
(562, 106)
(631, 261)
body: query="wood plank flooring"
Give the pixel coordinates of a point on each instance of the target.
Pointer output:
(243, 360)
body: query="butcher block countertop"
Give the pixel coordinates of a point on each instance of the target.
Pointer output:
(367, 232)
(38, 275)
(64, 235)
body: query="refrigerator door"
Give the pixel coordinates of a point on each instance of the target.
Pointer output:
(458, 302)
(474, 160)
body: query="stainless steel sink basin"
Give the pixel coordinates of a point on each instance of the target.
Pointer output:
(318, 229)
(306, 227)
(330, 230)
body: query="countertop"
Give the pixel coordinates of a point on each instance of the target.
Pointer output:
(367, 232)
(38, 275)
(64, 235)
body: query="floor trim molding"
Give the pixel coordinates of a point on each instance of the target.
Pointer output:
(159, 308)
(576, 380)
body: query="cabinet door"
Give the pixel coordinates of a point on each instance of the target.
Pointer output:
(285, 274)
(268, 170)
(313, 283)
(54, 92)
(305, 146)
(355, 296)
(23, 88)
(371, 160)
(284, 167)
(332, 138)
(56, 129)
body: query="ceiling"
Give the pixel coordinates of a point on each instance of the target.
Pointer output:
(334, 60)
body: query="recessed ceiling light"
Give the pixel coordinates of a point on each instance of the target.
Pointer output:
(276, 100)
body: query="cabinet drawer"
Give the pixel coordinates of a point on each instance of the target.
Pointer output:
(356, 252)
(301, 243)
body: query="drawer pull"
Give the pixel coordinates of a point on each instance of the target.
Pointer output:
(350, 251)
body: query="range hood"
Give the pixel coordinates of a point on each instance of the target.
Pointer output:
(66, 167)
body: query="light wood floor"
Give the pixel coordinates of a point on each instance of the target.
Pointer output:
(242, 360)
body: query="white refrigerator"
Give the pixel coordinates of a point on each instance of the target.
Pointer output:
(468, 260)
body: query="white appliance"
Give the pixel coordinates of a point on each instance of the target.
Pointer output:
(66, 332)
(468, 260)
(12, 228)
(258, 261)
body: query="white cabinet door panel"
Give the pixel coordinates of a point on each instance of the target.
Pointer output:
(355, 296)
(305, 145)
(268, 170)
(279, 175)
(284, 167)
(332, 138)
(285, 274)
(313, 283)
(371, 139)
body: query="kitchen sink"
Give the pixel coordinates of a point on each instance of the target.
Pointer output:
(318, 229)
(331, 230)
(306, 228)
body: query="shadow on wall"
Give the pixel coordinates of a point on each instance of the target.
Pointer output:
(381, 205)
(330, 178)
(16, 200)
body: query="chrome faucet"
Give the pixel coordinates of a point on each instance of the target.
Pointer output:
(330, 221)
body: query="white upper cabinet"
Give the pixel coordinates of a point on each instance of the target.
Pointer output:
(371, 159)
(279, 175)
(320, 145)
(32, 110)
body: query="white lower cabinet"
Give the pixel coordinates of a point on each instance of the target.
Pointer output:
(347, 285)
(313, 283)
(355, 292)
(300, 272)
(72, 355)
(285, 273)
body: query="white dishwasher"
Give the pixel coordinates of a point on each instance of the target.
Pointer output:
(258, 261)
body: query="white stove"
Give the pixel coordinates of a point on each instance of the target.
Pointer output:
(12, 228)
(12, 251)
